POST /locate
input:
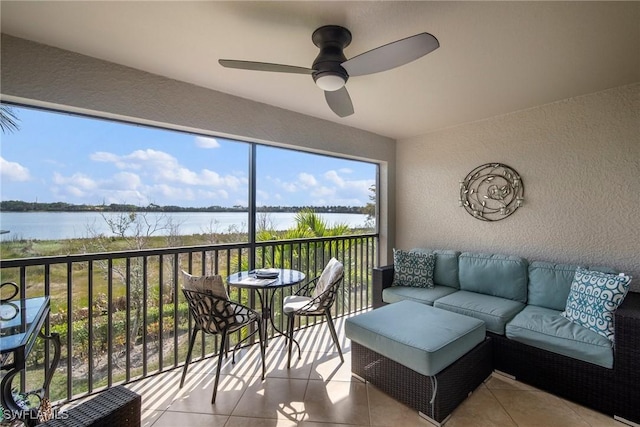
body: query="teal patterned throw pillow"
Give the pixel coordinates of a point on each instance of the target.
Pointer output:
(593, 299)
(413, 269)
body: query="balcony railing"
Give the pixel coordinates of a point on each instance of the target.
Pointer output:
(121, 315)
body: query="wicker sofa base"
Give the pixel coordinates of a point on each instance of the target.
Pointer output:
(434, 397)
(114, 407)
(584, 383)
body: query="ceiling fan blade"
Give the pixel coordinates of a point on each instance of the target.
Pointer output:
(339, 101)
(263, 66)
(391, 55)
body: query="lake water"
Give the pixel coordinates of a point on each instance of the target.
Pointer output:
(66, 225)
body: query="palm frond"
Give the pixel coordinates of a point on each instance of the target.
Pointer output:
(8, 119)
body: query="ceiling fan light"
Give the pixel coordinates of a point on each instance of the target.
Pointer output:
(330, 82)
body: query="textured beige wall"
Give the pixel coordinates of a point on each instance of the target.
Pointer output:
(580, 163)
(39, 75)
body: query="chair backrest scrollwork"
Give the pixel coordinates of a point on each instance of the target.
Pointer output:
(210, 306)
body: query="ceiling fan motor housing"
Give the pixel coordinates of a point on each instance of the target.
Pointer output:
(331, 39)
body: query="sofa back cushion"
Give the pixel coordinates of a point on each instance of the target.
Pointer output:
(498, 275)
(445, 271)
(549, 284)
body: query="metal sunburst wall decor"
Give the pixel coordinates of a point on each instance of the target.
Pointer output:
(491, 192)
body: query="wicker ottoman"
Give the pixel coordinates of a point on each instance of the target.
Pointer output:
(429, 359)
(115, 407)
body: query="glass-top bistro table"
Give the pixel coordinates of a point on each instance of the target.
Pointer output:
(21, 323)
(266, 288)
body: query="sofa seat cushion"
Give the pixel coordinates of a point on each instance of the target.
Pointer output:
(420, 337)
(421, 295)
(494, 311)
(546, 329)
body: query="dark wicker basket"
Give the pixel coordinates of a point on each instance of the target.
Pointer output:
(115, 407)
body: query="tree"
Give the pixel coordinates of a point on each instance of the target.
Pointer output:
(8, 119)
(310, 224)
(134, 229)
(370, 208)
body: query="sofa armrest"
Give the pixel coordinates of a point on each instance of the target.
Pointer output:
(627, 323)
(627, 358)
(382, 278)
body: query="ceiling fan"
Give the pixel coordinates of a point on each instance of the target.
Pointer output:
(331, 69)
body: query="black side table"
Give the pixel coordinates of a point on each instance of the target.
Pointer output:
(21, 323)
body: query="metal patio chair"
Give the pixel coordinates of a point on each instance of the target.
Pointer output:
(214, 314)
(315, 299)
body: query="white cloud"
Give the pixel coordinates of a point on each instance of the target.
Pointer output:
(77, 180)
(289, 187)
(211, 197)
(164, 168)
(170, 183)
(206, 142)
(126, 181)
(125, 196)
(176, 174)
(150, 159)
(139, 159)
(323, 192)
(103, 156)
(145, 175)
(13, 171)
(307, 180)
(330, 188)
(171, 192)
(76, 185)
(75, 191)
(333, 177)
(211, 178)
(304, 181)
(123, 187)
(118, 161)
(360, 186)
(340, 191)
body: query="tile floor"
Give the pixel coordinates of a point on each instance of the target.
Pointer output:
(318, 391)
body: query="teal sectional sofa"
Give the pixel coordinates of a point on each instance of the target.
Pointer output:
(521, 304)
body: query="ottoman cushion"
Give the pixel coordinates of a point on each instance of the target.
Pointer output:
(420, 337)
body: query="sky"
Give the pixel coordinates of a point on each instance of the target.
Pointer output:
(56, 157)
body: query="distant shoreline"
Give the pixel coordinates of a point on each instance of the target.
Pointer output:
(54, 225)
(22, 206)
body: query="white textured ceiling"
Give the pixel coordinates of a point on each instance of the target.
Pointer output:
(495, 57)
